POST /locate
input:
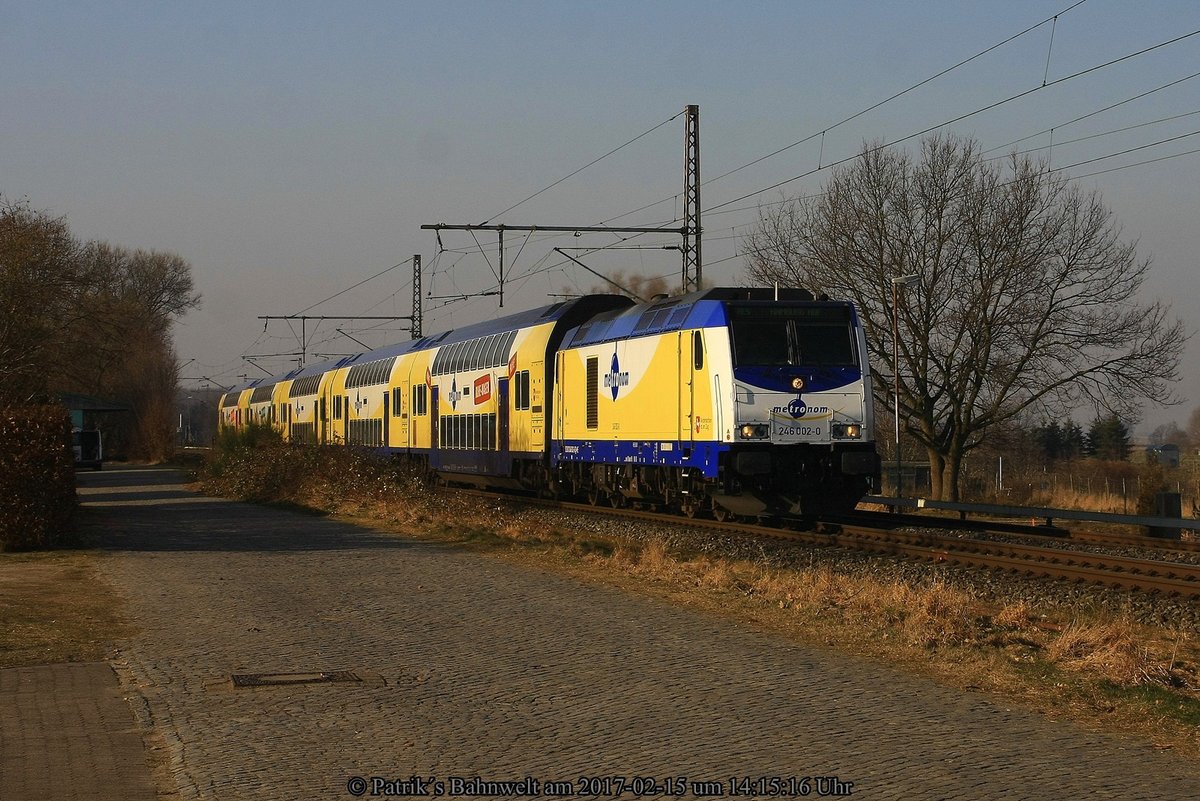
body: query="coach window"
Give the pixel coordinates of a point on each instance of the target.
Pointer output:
(521, 390)
(697, 350)
(499, 356)
(489, 351)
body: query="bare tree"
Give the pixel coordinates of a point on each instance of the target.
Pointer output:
(1024, 297)
(638, 287)
(92, 319)
(1193, 429)
(39, 273)
(119, 345)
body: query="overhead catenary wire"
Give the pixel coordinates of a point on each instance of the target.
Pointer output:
(585, 166)
(866, 110)
(354, 286)
(1094, 113)
(1098, 135)
(1063, 169)
(962, 117)
(715, 212)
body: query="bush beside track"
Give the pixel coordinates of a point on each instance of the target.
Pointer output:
(1096, 666)
(37, 477)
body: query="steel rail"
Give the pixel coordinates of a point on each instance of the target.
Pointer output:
(1144, 575)
(1172, 579)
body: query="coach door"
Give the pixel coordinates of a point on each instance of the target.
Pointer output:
(386, 418)
(404, 399)
(686, 397)
(502, 421)
(433, 418)
(537, 422)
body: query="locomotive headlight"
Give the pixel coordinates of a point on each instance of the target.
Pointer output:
(846, 430)
(751, 431)
(797, 383)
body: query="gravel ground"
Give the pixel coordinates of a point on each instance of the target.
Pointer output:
(987, 585)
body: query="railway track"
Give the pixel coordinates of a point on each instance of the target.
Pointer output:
(883, 534)
(1172, 579)
(1039, 531)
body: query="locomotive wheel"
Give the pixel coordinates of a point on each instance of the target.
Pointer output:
(593, 497)
(722, 514)
(616, 500)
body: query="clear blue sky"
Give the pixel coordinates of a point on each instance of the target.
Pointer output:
(290, 150)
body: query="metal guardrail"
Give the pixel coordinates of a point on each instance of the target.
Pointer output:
(1035, 511)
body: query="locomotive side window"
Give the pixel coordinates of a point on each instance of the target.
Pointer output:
(697, 350)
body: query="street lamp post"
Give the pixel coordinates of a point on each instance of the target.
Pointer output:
(903, 280)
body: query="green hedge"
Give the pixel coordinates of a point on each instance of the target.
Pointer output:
(37, 476)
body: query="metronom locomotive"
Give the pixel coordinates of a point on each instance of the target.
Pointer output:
(749, 402)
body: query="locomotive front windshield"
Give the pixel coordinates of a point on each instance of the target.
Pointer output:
(781, 335)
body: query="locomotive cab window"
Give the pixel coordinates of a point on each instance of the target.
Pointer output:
(781, 335)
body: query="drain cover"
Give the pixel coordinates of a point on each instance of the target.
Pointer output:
(283, 679)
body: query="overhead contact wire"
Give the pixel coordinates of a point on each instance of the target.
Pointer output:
(962, 117)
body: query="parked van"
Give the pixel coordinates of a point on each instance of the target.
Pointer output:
(89, 452)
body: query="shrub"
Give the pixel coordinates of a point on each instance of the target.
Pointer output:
(37, 476)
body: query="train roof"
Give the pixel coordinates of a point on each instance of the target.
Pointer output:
(570, 310)
(694, 310)
(579, 308)
(245, 385)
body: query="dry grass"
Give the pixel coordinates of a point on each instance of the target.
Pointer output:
(55, 608)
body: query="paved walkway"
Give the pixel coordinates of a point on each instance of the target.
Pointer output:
(66, 732)
(469, 667)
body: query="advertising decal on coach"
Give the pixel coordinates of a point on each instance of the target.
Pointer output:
(483, 389)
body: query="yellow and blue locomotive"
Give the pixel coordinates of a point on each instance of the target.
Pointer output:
(724, 401)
